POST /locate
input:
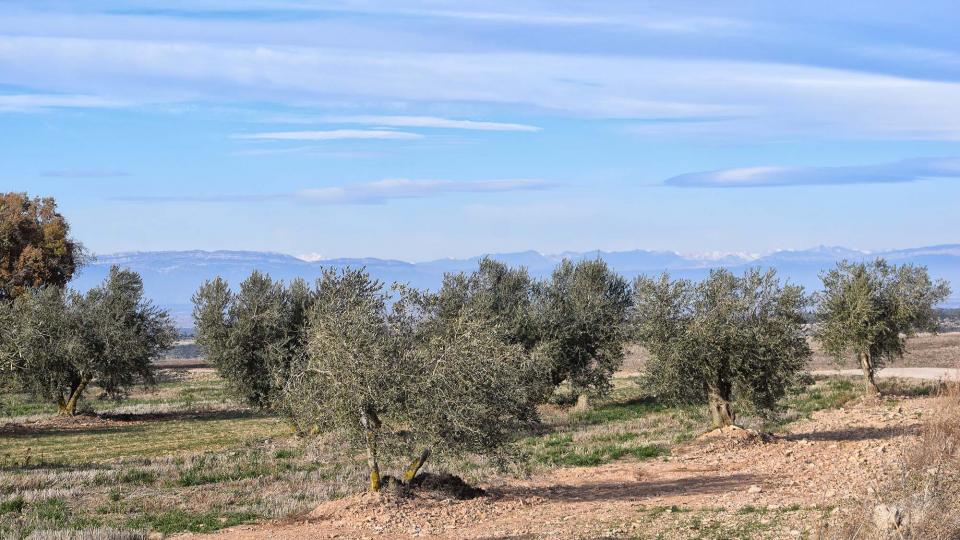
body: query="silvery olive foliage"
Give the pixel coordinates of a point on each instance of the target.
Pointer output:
(408, 379)
(60, 342)
(576, 322)
(728, 337)
(503, 295)
(253, 335)
(870, 309)
(583, 317)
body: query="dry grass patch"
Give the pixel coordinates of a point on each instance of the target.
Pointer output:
(921, 500)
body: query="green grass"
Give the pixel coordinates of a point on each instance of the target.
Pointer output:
(199, 468)
(182, 457)
(137, 476)
(619, 411)
(15, 504)
(174, 521)
(146, 439)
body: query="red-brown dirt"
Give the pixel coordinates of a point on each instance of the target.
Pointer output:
(799, 477)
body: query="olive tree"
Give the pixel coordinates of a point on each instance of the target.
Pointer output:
(870, 309)
(410, 379)
(252, 336)
(724, 338)
(61, 342)
(41, 344)
(583, 313)
(35, 245)
(502, 295)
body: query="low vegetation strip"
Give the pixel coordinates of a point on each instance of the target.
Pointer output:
(51, 444)
(173, 473)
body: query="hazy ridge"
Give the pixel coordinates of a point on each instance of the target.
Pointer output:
(171, 277)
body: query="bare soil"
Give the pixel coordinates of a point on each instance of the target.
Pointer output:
(924, 350)
(787, 486)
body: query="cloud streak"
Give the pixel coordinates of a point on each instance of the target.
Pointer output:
(330, 135)
(908, 170)
(379, 192)
(403, 188)
(85, 173)
(758, 97)
(430, 122)
(40, 102)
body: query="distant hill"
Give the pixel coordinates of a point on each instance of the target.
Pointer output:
(171, 277)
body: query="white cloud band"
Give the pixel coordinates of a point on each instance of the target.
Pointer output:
(909, 170)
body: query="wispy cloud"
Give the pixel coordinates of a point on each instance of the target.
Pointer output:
(909, 170)
(378, 192)
(85, 173)
(314, 151)
(429, 122)
(760, 97)
(330, 135)
(402, 188)
(39, 102)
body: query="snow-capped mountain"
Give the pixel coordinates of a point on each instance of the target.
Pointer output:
(171, 277)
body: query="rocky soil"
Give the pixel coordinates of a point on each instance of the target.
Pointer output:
(724, 483)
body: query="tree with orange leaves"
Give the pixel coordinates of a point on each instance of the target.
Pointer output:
(35, 245)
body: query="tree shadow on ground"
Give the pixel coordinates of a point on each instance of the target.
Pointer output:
(117, 423)
(853, 434)
(202, 415)
(632, 489)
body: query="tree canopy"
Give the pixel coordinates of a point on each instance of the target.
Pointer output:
(414, 377)
(60, 341)
(583, 315)
(870, 309)
(726, 337)
(252, 336)
(35, 245)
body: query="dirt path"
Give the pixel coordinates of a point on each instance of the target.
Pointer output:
(927, 373)
(778, 489)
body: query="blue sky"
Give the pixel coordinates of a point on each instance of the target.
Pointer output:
(428, 129)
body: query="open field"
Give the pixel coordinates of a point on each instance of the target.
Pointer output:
(926, 350)
(183, 457)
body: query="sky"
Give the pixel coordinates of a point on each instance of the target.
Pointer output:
(418, 130)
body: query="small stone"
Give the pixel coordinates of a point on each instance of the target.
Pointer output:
(887, 517)
(754, 489)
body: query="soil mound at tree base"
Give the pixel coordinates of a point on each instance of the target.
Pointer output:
(398, 498)
(737, 432)
(446, 484)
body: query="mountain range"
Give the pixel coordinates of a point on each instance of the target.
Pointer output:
(171, 277)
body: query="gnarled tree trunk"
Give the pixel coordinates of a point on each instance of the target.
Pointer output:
(370, 423)
(415, 466)
(866, 364)
(68, 407)
(583, 402)
(720, 410)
